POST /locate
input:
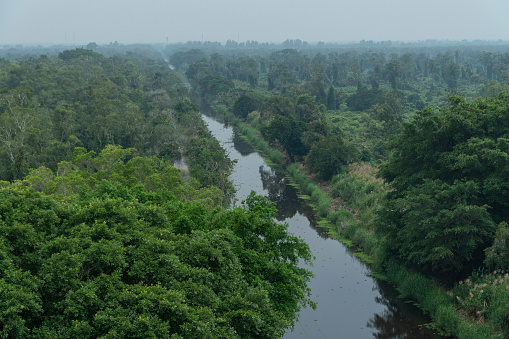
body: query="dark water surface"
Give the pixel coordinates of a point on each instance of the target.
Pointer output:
(350, 304)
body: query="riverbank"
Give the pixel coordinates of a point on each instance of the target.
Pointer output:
(350, 302)
(346, 209)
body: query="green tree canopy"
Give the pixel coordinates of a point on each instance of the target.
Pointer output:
(288, 133)
(329, 156)
(247, 103)
(450, 174)
(124, 262)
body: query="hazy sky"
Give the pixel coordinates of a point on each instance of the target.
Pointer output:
(130, 21)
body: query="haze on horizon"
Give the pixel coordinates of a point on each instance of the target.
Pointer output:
(158, 21)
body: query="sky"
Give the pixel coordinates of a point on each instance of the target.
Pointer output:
(158, 21)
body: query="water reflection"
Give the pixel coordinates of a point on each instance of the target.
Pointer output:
(286, 199)
(283, 195)
(241, 145)
(400, 319)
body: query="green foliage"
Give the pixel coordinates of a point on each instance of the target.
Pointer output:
(288, 133)
(116, 165)
(328, 156)
(306, 108)
(449, 172)
(78, 53)
(83, 99)
(436, 228)
(321, 202)
(364, 99)
(211, 166)
(331, 98)
(183, 58)
(497, 255)
(484, 297)
(245, 104)
(432, 297)
(119, 261)
(276, 105)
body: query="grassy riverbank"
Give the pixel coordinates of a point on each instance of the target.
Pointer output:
(347, 206)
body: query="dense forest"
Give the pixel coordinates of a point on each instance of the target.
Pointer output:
(101, 236)
(402, 149)
(407, 146)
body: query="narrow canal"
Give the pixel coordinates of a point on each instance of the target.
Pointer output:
(350, 303)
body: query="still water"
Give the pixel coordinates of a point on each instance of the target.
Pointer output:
(350, 303)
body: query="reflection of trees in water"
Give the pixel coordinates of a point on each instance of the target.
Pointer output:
(286, 198)
(400, 319)
(241, 145)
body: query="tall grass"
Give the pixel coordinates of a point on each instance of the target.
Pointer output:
(360, 192)
(432, 298)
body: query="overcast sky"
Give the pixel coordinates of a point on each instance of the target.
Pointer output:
(133, 21)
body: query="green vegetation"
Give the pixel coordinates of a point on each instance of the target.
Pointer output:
(403, 152)
(130, 262)
(80, 98)
(100, 236)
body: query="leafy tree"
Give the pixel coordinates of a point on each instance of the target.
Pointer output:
(437, 228)
(182, 58)
(331, 98)
(277, 105)
(18, 136)
(246, 103)
(497, 255)
(306, 108)
(449, 172)
(114, 263)
(329, 156)
(365, 98)
(393, 72)
(288, 133)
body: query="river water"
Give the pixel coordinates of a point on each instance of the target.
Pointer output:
(350, 303)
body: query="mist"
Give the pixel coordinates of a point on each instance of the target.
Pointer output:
(159, 21)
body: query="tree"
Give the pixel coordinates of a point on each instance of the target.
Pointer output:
(306, 108)
(245, 104)
(437, 228)
(277, 105)
(288, 133)
(393, 72)
(117, 262)
(16, 128)
(316, 85)
(329, 156)
(449, 172)
(497, 255)
(331, 99)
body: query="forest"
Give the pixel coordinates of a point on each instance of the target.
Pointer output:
(101, 236)
(402, 149)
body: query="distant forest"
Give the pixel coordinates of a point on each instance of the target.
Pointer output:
(375, 86)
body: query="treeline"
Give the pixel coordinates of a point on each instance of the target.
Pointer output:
(375, 90)
(50, 106)
(82, 99)
(441, 212)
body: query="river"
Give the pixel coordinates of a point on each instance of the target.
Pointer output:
(350, 303)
